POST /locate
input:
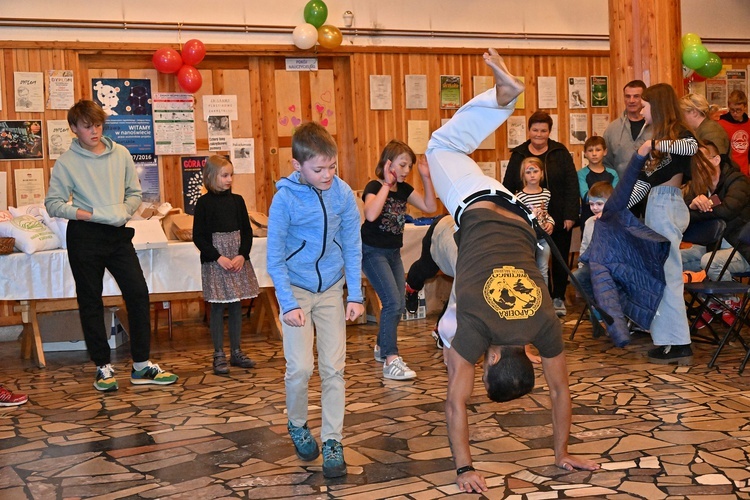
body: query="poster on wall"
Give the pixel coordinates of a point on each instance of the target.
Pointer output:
(599, 123)
(516, 131)
(416, 91)
(242, 154)
(148, 173)
(381, 92)
(577, 92)
(174, 123)
(129, 109)
(60, 94)
(59, 138)
(578, 128)
(192, 181)
(29, 92)
(217, 105)
(219, 133)
(716, 91)
(29, 186)
(599, 91)
(450, 91)
(547, 92)
(736, 80)
(21, 140)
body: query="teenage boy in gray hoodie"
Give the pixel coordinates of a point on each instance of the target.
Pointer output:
(101, 177)
(314, 247)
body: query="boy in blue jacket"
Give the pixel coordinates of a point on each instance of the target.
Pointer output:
(314, 246)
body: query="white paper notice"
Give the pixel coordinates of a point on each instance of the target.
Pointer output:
(219, 133)
(416, 91)
(418, 133)
(29, 186)
(516, 131)
(217, 105)
(599, 123)
(29, 92)
(547, 92)
(174, 123)
(578, 128)
(242, 154)
(489, 168)
(60, 89)
(381, 95)
(59, 136)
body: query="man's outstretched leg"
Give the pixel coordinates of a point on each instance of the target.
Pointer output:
(455, 175)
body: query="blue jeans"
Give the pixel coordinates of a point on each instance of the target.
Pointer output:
(385, 272)
(667, 214)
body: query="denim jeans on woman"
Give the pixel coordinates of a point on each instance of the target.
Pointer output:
(385, 272)
(667, 214)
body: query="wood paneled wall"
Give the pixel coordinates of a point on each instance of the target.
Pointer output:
(247, 71)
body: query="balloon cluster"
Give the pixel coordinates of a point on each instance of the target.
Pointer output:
(313, 31)
(168, 60)
(698, 62)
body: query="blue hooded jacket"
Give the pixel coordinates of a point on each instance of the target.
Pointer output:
(313, 240)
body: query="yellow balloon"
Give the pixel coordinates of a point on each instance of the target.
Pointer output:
(329, 36)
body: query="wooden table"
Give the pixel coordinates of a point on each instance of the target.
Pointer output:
(42, 282)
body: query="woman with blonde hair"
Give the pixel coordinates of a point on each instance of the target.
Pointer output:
(696, 111)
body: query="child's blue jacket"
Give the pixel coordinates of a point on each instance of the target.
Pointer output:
(313, 240)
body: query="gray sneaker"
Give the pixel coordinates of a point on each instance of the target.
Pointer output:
(378, 357)
(398, 370)
(559, 305)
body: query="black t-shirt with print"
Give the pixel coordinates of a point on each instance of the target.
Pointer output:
(501, 297)
(387, 231)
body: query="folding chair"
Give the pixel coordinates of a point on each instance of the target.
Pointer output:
(708, 292)
(709, 234)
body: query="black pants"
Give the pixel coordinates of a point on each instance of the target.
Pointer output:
(425, 267)
(558, 275)
(92, 248)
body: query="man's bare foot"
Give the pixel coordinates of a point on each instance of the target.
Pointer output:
(507, 86)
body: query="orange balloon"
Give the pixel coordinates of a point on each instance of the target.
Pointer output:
(329, 36)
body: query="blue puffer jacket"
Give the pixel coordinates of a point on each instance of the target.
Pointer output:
(313, 240)
(626, 260)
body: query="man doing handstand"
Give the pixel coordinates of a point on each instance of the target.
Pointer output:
(501, 300)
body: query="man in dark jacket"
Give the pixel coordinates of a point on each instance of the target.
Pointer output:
(561, 178)
(732, 188)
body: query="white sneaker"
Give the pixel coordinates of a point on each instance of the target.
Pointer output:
(398, 370)
(378, 357)
(559, 305)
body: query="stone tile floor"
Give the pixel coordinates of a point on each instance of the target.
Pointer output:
(660, 432)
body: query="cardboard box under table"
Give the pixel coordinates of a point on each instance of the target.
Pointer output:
(61, 330)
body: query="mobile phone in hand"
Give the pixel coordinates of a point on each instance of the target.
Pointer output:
(715, 201)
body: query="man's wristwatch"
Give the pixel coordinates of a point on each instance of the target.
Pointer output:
(465, 468)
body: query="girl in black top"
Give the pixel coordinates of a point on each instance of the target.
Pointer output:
(382, 238)
(222, 232)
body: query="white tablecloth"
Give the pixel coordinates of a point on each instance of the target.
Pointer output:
(176, 268)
